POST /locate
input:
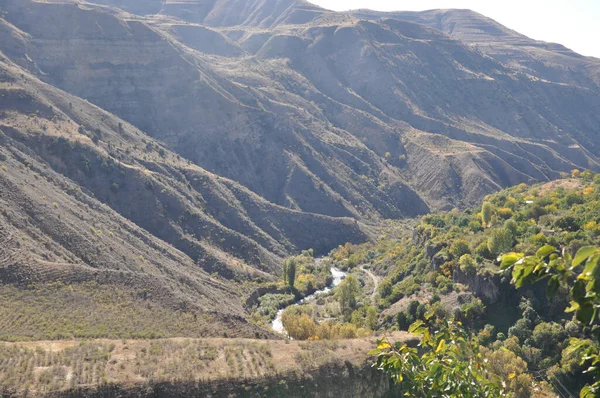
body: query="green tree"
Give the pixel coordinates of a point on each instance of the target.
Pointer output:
(385, 288)
(448, 363)
(346, 294)
(584, 292)
(371, 318)
(487, 211)
(512, 226)
(500, 241)
(284, 267)
(291, 272)
(459, 248)
(467, 264)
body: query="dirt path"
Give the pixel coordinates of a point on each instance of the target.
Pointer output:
(375, 279)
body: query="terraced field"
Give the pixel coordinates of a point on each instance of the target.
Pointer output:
(53, 366)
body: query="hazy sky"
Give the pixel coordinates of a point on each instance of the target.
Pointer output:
(573, 23)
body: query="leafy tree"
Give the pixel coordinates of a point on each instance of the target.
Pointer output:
(372, 318)
(448, 363)
(291, 272)
(404, 321)
(500, 241)
(487, 211)
(511, 368)
(412, 308)
(299, 327)
(467, 264)
(347, 292)
(521, 330)
(385, 288)
(512, 226)
(548, 337)
(459, 248)
(584, 292)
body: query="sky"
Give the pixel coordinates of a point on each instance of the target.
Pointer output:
(573, 23)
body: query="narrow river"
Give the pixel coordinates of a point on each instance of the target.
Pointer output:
(338, 277)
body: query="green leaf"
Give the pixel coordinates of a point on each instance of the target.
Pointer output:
(585, 314)
(376, 351)
(583, 254)
(591, 269)
(578, 291)
(510, 259)
(415, 326)
(553, 286)
(574, 307)
(545, 251)
(586, 392)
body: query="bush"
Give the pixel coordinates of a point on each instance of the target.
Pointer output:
(483, 251)
(459, 248)
(500, 241)
(467, 264)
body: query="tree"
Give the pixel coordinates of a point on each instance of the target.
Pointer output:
(298, 326)
(448, 363)
(459, 248)
(500, 241)
(487, 211)
(372, 318)
(385, 288)
(467, 264)
(284, 267)
(347, 292)
(512, 226)
(510, 367)
(291, 272)
(584, 291)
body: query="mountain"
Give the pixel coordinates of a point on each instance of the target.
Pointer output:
(86, 197)
(185, 147)
(549, 61)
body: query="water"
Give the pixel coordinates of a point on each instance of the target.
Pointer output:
(338, 277)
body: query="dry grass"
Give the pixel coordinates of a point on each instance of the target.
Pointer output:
(89, 310)
(43, 367)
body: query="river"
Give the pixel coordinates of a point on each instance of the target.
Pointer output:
(338, 277)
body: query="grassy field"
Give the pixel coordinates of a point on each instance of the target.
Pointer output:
(48, 366)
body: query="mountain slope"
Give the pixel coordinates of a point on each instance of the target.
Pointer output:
(86, 197)
(549, 61)
(221, 136)
(295, 122)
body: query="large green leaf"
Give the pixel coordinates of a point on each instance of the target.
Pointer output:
(583, 254)
(545, 251)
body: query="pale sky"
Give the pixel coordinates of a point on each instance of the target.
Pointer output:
(573, 23)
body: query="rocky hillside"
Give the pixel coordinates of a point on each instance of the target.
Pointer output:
(329, 113)
(86, 197)
(175, 149)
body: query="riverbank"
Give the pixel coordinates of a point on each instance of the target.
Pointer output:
(338, 277)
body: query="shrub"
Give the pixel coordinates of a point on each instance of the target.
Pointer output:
(483, 251)
(467, 264)
(500, 241)
(459, 248)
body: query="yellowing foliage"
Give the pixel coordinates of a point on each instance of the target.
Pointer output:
(505, 213)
